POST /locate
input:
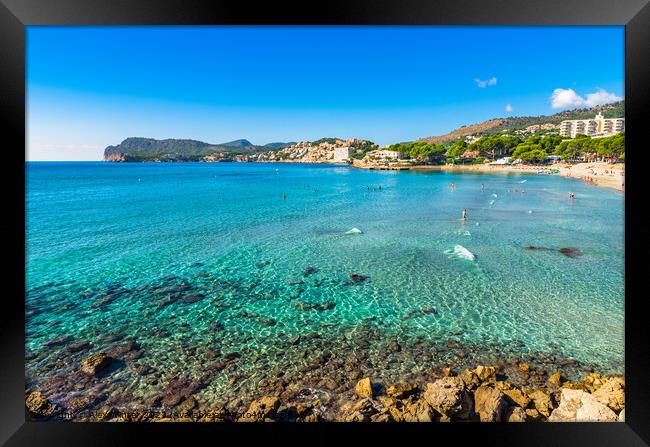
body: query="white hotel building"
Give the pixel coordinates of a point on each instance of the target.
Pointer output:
(597, 127)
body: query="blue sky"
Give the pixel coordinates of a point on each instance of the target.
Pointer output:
(89, 87)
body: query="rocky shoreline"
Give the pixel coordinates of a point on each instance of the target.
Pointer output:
(481, 394)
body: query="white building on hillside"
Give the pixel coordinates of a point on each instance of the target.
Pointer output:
(341, 154)
(385, 154)
(597, 127)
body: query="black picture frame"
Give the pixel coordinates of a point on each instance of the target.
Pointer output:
(15, 15)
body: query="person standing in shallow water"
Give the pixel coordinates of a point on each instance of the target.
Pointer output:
(464, 215)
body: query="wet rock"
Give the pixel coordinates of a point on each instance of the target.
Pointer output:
(578, 406)
(524, 368)
(448, 397)
(261, 409)
(453, 344)
(294, 340)
(57, 341)
(95, 363)
(38, 405)
(555, 380)
(488, 403)
(612, 394)
(363, 388)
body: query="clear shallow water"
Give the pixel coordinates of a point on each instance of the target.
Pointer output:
(224, 232)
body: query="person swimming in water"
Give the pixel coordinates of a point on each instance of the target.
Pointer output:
(464, 214)
(571, 195)
(482, 186)
(284, 196)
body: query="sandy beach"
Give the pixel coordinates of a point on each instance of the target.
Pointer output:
(598, 174)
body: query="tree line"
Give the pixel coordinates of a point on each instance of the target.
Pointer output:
(533, 149)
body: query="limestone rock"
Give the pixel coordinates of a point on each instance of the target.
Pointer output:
(485, 373)
(594, 381)
(517, 396)
(417, 411)
(621, 417)
(470, 379)
(448, 397)
(363, 388)
(578, 406)
(554, 380)
(515, 414)
(95, 363)
(612, 394)
(38, 405)
(488, 403)
(361, 411)
(542, 402)
(401, 390)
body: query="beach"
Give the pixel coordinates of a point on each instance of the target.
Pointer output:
(609, 175)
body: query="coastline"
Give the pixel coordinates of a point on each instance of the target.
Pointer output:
(516, 392)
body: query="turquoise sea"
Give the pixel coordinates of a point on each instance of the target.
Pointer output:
(198, 262)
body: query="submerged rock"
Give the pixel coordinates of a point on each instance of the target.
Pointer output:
(356, 278)
(309, 271)
(78, 347)
(57, 341)
(570, 252)
(303, 305)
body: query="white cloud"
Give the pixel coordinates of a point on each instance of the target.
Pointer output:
(486, 83)
(509, 108)
(568, 98)
(601, 97)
